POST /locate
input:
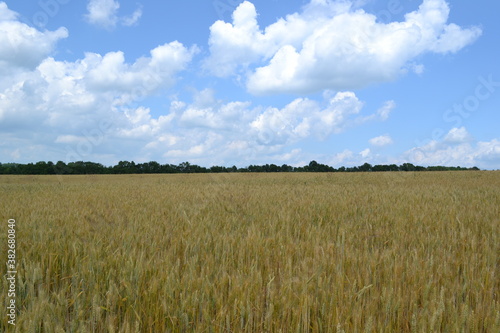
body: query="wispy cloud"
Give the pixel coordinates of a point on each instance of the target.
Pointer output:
(104, 13)
(132, 19)
(381, 141)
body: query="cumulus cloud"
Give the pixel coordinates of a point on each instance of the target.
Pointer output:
(303, 118)
(457, 148)
(110, 72)
(381, 141)
(104, 13)
(225, 117)
(329, 45)
(215, 132)
(69, 93)
(48, 106)
(6, 14)
(23, 47)
(458, 135)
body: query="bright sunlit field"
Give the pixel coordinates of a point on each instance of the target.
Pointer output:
(363, 252)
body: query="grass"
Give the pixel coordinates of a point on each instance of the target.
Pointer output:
(364, 252)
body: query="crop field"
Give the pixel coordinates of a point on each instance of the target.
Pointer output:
(291, 252)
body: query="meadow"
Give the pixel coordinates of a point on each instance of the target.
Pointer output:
(294, 252)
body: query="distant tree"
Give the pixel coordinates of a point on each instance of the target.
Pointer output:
(149, 167)
(217, 169)
(60, 168)
(42, 168)
(407, 167)
(198, 169)
(169, 168)
(81, 167)
(154, 167)
(318, 167)
(365, 167)
(393, 167)
(313, 166)
(12, 168)
(274, 168)
(379, 168)
(125, 167)
(184, 167)
(253, 168)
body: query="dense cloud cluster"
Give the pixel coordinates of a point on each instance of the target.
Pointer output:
(329, 45)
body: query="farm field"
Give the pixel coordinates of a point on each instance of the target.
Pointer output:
(291, 252)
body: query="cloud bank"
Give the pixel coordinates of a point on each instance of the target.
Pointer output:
(458, 147)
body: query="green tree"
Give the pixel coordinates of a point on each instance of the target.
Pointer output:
(365, 167)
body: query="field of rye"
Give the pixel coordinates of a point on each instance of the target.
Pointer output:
(340, 252)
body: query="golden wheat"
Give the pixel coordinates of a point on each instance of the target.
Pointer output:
(364, 252)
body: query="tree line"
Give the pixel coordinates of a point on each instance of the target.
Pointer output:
(130, 167)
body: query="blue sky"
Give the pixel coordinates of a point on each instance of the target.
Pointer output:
(231, 82)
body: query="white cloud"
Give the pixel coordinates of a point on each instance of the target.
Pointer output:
(457, 148)
(330, 45)
(381, 141)
(71, 139)
(417, 68)
(304, 118)
(104, 13)
(69, 94)
(132, 19)
(6, 14)
(382, 113)
(111, 73)
(210, 131)
(23, 47)
(53, 110)
(386, 110)
(457, 135)
(211, 114)
(290, 156)
(225, 117)
(365, 153)
(488, 153)
(345, 158)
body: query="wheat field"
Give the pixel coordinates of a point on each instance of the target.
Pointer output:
(329, 252)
